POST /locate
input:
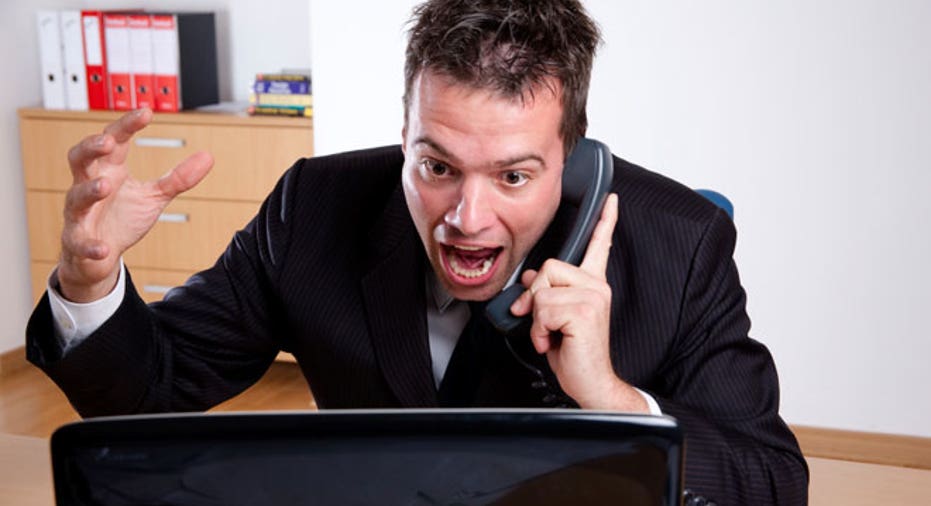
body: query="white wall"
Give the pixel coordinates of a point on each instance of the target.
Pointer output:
(361, 73)
(20, 87)
(252, 37)
(813, 116)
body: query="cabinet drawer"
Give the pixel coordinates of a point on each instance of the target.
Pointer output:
(189, 236)
(40, 272)
(248, 160)
(45, 146)
(153, 284)
(44, 218)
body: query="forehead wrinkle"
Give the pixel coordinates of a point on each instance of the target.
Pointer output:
(435, 146)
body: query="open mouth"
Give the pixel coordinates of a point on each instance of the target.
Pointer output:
(470, 264)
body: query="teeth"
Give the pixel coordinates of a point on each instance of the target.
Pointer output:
(469, 273)
(468, 248)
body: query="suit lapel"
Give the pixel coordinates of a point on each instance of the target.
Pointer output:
(394, 294)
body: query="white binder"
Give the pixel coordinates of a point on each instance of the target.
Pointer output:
(50, 59)
(73, 53)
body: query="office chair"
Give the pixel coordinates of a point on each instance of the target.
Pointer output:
(719, 200)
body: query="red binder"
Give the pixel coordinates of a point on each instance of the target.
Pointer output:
(140, 44)
(165, 53)
(95, 60)
(119, 75)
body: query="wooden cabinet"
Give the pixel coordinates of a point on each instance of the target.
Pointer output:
(250, 154)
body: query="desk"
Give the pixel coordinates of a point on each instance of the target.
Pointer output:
(856, 483)
(25, 471)
(26, 479)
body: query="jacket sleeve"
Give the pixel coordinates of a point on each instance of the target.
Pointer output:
(722, 387)
(205, 342)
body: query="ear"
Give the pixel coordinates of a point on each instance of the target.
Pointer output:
(404, 138)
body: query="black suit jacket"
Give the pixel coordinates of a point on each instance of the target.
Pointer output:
(332, 270)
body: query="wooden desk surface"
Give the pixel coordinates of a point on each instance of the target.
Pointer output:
(26, 479)
(25, 471)
(856, 483)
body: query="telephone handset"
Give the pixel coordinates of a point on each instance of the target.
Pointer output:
(586, 180)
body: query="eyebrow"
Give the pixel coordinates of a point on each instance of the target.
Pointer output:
(507, 162)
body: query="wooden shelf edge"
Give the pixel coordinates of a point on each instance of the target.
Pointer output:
(184, 117)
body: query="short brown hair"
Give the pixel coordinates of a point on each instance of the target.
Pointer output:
(508, 46)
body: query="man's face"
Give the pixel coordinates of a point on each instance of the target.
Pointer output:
(482, 179)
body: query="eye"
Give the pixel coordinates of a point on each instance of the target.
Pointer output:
(435, 168)
(515, 178)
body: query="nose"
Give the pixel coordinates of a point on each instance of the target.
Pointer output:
(473, 211)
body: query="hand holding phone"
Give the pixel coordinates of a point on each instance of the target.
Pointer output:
(571, 324)
(586, 179)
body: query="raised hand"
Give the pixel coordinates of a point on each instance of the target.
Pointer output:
(107, 210)
(576, 303)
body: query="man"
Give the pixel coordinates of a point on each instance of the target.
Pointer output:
(363, 265)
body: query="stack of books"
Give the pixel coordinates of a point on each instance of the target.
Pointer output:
(282, 94)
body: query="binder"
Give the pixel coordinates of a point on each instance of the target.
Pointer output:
(184, 48)
(119, 67)
(72, 39)
(95, 60)
(141, 63)
(50, 59)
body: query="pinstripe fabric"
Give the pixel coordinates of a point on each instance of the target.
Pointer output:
(331, 269)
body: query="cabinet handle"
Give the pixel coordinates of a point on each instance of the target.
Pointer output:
(159, 142)
(163, 289)
(174, 218)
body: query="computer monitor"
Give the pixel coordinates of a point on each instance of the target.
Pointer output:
(390, 457)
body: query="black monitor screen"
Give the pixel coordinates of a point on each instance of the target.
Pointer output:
(418, 457)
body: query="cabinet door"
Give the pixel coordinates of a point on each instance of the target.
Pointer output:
(45, 219)
(45, 146)
(40, 273)
(153, 284)
(248, 160)
(189, 235)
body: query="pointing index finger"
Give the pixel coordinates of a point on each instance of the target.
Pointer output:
(128, 124)
(596, 255)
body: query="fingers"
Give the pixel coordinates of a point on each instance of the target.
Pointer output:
(555, 273)
(82, 196)
(82, 156)
(558, 311)
(185, 175)
(76, 243)
(123, 129)
(599, 248)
